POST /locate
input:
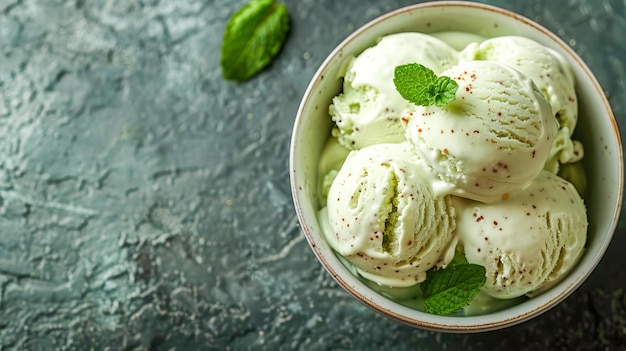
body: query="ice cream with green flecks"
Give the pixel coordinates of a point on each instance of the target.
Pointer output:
(486, 176)
(493, 138)
(527, 242)
(553, 76)
(383, 216)
(369, 109)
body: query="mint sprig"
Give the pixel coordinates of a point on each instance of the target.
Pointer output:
(447, 290)
(252, 38)
(421, 86)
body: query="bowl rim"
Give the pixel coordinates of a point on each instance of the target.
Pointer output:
(451, 323)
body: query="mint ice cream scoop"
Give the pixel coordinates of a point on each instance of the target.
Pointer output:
(527, 242)
(554, 78)
(368, 110)
(493, 138)
(383, 216)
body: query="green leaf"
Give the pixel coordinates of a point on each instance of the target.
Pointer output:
(445, 90)
(252, 38)
(421, 86)
(447, 290)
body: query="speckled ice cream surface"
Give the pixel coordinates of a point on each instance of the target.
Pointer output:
(493, 138)
(383, 216)
(487, 151)
(369, 109)
(527, 242)
(552, 75)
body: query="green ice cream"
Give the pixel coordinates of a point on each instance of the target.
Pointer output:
(551, 73)
(527, 242)
(383, 217)
(368, 110)
(492, 139)
(403, 187)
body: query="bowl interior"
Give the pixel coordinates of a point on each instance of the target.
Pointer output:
(596, 128)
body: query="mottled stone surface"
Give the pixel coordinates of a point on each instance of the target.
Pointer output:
(145, 203)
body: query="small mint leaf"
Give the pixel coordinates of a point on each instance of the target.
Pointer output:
(252, 38)
(421, 86)
(414, 83)
(445, 90)
(447, 290)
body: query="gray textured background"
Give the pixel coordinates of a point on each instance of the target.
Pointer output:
(145, 203)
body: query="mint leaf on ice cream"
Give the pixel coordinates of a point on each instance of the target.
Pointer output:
(421, 86)
(252, 38)
(447, 290)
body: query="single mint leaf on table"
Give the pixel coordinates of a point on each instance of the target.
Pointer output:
(421, 86)
(252, 38)
(447, 290)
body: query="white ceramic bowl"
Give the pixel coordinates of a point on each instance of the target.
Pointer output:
(596, 128)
